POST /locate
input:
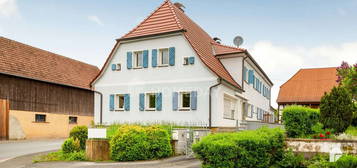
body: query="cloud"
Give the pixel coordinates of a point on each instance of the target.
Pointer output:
(282, 62)
(8, 8)
(95, 19)
(341, 12)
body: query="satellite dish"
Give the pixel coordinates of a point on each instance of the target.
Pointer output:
(238, 40)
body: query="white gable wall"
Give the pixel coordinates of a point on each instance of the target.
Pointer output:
(234, 67)
(166, 80)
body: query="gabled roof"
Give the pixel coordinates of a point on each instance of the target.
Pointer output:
(22, 60)
(308, 85)
(169, 18)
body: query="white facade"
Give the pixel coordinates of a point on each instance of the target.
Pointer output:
(226, 107)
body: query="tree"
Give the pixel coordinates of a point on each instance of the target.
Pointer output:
(347, 77)
(336, 109)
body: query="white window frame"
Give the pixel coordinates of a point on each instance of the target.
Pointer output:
(116, 102)
(147, 101)
(233, 108)
(136, 59)
(161, 59)
(181, 100)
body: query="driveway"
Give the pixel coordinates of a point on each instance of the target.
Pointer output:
(12, 149)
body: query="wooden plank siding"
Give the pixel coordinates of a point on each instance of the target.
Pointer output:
(37, 96)
(4, 119)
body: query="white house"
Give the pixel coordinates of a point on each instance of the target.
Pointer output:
(167, 69)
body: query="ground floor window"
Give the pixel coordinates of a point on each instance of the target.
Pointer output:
(40, 118)
(185, 100)
(73, 120)
(150, 101)
(119, 103)
(229, 107)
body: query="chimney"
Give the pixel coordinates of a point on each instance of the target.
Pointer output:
(180, 6)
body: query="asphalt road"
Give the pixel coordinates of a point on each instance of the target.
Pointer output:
(12, 149)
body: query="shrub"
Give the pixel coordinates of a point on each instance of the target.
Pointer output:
(290, 160)
(259, 149)
(60, 156)
(299, 120)
(80, 133)
(346, 161)
(140, 143)
(336, 109)
(71, 145)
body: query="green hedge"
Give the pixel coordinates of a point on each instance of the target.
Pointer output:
(249, 149)
(80, 133)
(299, 120)
(71, 145)
(140, 143)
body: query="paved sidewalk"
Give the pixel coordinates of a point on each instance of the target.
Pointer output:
(12, 149)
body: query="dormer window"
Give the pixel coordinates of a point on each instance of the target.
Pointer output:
(164, 57)
(138, 59)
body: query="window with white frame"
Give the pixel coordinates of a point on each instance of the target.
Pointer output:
(185, 100)
(119, 102)
(164, 57)
(150, 101)
(138, 59)
(229, 107)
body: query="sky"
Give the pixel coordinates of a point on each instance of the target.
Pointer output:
(282, 36)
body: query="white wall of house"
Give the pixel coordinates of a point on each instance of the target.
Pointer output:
(254, 97)
(234, 67)
(196, 77)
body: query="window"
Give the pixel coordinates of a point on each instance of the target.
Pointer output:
(245, 70)
(119, 102)
(138, 59)
(185, 61)
(185, 100)
(73, 120)
(229, 107)
(150, 101)
(164, 57)
(40, 118)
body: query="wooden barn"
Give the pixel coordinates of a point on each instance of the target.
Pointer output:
(42, 94)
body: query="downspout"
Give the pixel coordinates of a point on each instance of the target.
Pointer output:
(101, 107)
(243, 71)
(210, 102)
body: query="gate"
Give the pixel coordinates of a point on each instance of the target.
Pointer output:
(4, 119)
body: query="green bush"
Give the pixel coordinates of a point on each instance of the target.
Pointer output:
(71, 145)
(336, 109)
(290, 160)
(60, 156)
(140, 143)
(80, 133)
(346, 161)
(299, 120)
(249, 149)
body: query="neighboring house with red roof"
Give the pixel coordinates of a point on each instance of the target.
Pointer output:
(47, 94)
(307, 87)
(168, 69)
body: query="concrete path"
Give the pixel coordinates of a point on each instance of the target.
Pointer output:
(12, 149)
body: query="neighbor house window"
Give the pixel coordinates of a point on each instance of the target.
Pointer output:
(138, 59)
(119, 102)
(40, 118)
(73, 120)
(185, 100)
(150, 101)
(164, 57)
(229, 107)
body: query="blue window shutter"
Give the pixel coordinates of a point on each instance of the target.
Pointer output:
(114, 67)
(129, 60)
(175, 101)
(141, 101)
(250, 76)
(145, 58)
(252, 111)
(172, 56)
(127, 102)
(158, 102)
(111, 102)
(191, 60)
(154, 58)
(245, 73)
(194, 100)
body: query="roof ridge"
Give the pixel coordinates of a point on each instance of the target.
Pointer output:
(27, 45)
(173, 11)
(318, 68)
(228, 46)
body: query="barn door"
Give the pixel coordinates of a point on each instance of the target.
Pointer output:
(4, 119)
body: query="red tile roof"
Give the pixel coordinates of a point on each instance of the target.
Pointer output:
(308, 85)
(220, 49)
(26, 61)
(169, 18)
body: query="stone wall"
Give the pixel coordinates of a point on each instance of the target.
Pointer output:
(321, 146)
